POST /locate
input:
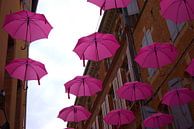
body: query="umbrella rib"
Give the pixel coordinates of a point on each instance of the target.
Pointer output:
(33, 22)
(30, 35)
(85, 50)
(149, 52)
(88, 80)
(142, 92)
(108, 49)
(188, 10)
(79, 87)
(13, 21)
(88, 87)
(178, 12)
(38, 78)
(165, 54)
(19, 27)
(188, 5)
(68, 113)
(174, 2)
(97, 54)
(17, 67)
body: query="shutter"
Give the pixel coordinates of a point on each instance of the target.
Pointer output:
(182, 115)
(174, 28)
(133, 8)
(147, 111)
(147, 40)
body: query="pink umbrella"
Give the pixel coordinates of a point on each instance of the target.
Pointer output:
(27, 26)
(158, 120)
(156, 55)
(96, 46)
(74, 114)
(178, 97)
(26, 69)
(119, 117)
(178, 11)
(110, 4)
(190, 68)
(83, 86)
(135, 91)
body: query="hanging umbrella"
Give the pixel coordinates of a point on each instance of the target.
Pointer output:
(156, 55)
(190, 68)
(74, 114)
(26, 69)
(27, 26)
(83, 86)
(96, 46)
(133, 91)
(158, 120)
(177, 97)
(178, 11)
(110, 4)
(119, 117)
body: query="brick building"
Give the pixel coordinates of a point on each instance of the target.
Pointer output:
(12, 95)
(138, 25)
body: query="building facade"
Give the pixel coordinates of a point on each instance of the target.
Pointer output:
(12, 95)
(138, 25)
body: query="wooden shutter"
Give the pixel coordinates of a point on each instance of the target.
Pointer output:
(174, 28)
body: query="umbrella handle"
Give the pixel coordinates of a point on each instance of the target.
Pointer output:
(68, 93)
(38, 81)
(84, 61)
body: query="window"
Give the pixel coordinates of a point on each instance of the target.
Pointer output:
(174, 29)
(182, 115)
(133, 8)
(147, 40)
(147, 111)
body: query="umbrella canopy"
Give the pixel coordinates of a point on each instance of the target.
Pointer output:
(119, 117)
(26, 69)
(133, 91)
(74, 114)
(190, 68)
(83, 86)
(156, 55)
(96, 46)
(158, 120)
(68, 128)
(178, 11)
(110, 4)
(178, 97)
(27, 26)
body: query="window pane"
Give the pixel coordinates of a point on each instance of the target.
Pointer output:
(174, 29)
(133, 8)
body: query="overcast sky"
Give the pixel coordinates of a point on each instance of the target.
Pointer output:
(71, 19)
